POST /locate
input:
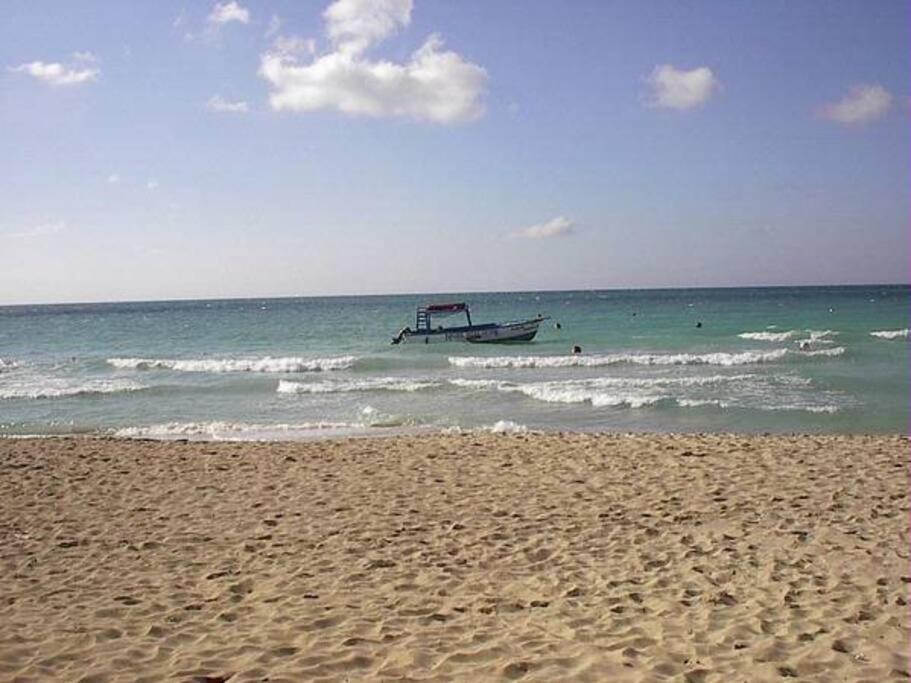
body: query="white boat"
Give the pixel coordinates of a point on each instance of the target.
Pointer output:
(486, 333)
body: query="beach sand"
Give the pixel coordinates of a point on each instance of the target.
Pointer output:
(467, 557)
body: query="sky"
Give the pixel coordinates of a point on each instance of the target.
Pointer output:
(160, 150)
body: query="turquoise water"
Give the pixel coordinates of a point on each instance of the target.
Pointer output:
(314, 367)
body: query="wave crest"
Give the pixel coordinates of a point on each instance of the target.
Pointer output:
(812, 335)
(718, 358)
(506, 427)
(267, 364)
(60, 389)
(768, 336)
(227, 431)
(891, 334)
(345, 386)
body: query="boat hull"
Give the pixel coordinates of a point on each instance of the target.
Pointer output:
(478, 334)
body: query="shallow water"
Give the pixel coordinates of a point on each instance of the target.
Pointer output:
(298, 368)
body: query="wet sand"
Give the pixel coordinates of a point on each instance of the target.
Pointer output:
(469, 557)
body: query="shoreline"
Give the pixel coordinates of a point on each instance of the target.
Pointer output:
(384, 433)
(476, 556)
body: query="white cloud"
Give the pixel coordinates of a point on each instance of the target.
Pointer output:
(555, 227)
(674, 88)
(224, 13)
(293, 45)
(220, 104)
(275, 25)
(37, 231)
(862, 103)
(355, 25)
(55, 73)
(433, 85)
(113, 179)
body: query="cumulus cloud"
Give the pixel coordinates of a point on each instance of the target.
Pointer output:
(434, 84)
(673, 88)
(863, 103)
(225, 13)
(80, 70)
(555, 227)
(220, 104)
(354, 25)
(37, 231)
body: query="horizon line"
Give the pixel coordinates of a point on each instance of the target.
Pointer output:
(447, 292)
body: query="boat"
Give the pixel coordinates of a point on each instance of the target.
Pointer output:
(485, 333)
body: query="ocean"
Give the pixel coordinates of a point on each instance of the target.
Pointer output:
(781, 360)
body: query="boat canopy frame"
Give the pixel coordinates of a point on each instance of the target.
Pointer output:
(424, 316)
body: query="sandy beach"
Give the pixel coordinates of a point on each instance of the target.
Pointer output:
(468, 557)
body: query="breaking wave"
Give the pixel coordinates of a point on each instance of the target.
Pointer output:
(6, 364)
(891, 334)
(718, 358)
(234, 431)
(626, 382)
(755, 392)
(50, 388)
(568, 392)
(768, 336)
(837, 351)
(344, 386)
(812, 335)
(266, 364)
(506, 427)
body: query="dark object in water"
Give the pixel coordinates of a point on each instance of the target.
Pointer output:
(698, 323)
(577, 350)
(425, 332)
(558, 326)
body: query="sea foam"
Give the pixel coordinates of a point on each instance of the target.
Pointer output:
(768, 336)
(345, 386)
(812, 335)
(56, 388)
(267, 364)
(599, 360)
(621, 382)
(891, 334)
(506, 427)
(777, 392)
(227, 431)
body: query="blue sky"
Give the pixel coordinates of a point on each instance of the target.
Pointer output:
(176, 149)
